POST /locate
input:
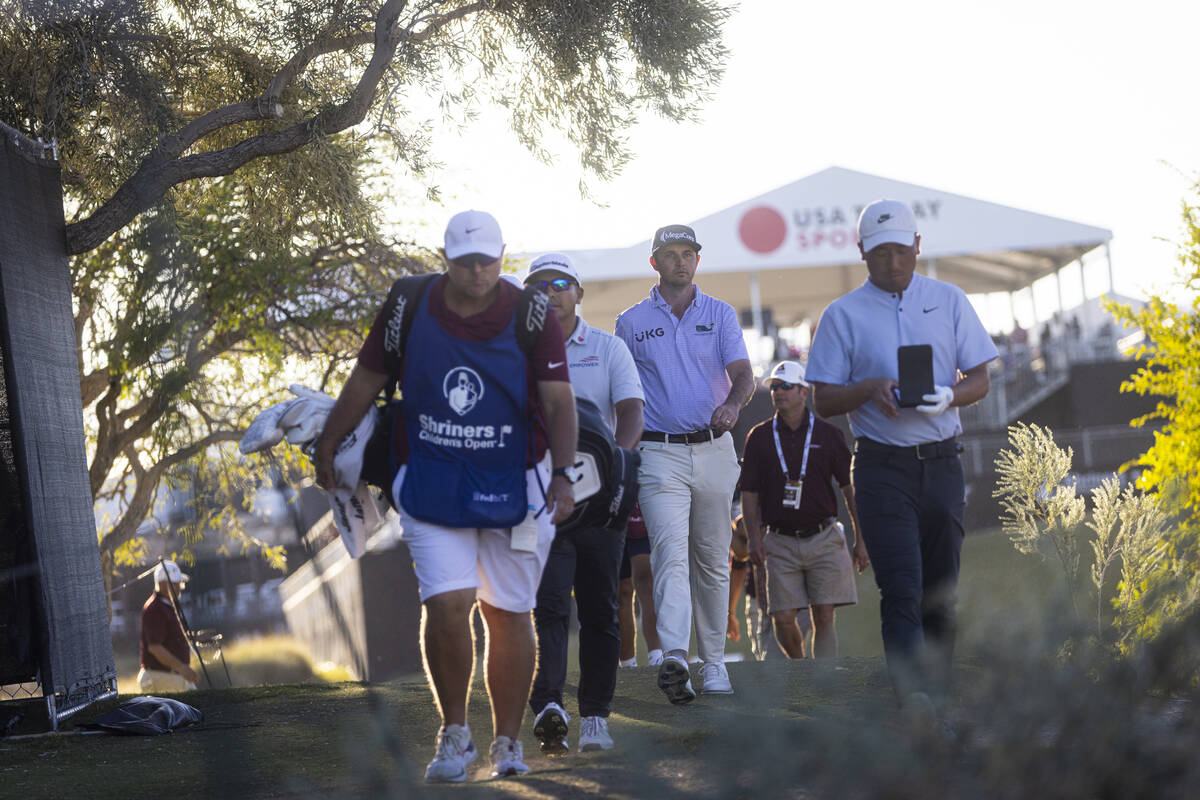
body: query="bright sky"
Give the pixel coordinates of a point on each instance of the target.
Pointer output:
(1080, 110)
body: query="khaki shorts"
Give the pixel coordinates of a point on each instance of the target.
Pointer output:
(809, 572)
(157, 680)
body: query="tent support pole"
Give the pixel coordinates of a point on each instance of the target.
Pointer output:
(1108, 260)
(1083, 293)
(756, 314)
(931, 268)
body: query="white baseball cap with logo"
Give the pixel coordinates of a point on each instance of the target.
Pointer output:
(788, 372)
(169, 570)
(473, 233)
(554, 262)
(886, 221)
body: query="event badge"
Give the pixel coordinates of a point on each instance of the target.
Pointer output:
(791, 493)
(525, 535)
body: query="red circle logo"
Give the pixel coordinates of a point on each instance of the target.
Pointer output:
(762, 229)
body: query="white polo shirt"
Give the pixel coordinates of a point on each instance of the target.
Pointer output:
(858, 336)
(602, 370)
(682, 361)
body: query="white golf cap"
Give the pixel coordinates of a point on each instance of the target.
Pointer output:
(886, 221)
(171, 571)
(471, 233)
(788, 372)
(554, 262)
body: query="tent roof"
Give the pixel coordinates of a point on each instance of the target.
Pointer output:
(800, 241)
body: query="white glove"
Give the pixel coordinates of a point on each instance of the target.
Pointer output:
(937, 402)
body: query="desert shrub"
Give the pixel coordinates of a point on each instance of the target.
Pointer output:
(1044, 514)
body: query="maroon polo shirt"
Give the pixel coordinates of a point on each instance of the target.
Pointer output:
(550, 349)
(828, 461)
(160, 625)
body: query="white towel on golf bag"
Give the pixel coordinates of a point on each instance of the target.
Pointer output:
(300, 420)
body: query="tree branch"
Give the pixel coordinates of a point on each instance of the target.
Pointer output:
(164, 167)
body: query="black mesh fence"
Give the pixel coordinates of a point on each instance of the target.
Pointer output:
(55, 639)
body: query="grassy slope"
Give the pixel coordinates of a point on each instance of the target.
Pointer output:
(348, 740)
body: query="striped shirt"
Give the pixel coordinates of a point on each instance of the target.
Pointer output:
(682, 362)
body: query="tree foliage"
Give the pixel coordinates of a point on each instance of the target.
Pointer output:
(187, 321)
(1171, 350)
(143, 96)
(215, 157)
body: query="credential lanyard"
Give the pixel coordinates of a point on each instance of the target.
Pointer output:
(783, 461)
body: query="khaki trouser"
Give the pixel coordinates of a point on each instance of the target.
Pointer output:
(157, 680)
(685, 493)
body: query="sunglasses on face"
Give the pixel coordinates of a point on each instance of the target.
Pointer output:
(557, 285)
(783, 386)
(473, 260)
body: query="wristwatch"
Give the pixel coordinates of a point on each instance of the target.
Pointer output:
(570, 472)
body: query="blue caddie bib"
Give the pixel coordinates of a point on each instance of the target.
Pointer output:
(464, 406)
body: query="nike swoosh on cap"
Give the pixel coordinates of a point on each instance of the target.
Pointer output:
(555, 364)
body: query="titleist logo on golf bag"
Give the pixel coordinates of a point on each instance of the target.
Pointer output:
(535, 317)
(393, 336)
(614, 505)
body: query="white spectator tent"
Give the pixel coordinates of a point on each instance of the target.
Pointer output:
(794, 249)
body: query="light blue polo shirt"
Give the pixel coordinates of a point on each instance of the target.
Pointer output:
(602, 370)
(858, 336)
(682, 361)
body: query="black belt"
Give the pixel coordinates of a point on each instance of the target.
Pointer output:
(947, 448)
(799, 533)
(692, 437)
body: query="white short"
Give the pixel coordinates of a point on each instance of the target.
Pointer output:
(447, 559)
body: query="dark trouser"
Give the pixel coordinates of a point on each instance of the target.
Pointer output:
(911, 513)
(589, 560)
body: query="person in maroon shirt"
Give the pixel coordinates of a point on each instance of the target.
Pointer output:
(461, 398)
(163, 650)
(789, 467)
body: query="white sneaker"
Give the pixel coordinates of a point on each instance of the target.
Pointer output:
(628, 662)
(655, 658)
(507, 758)
(455, 752)
(715, 678)
(550, 728)
(593, 734)
(675, 680)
